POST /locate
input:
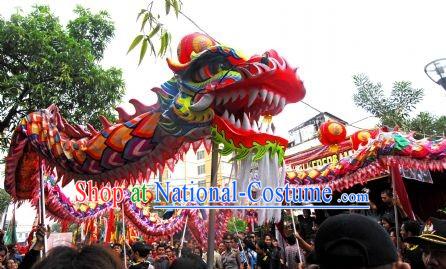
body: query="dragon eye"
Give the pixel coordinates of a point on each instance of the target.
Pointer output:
(208, 71)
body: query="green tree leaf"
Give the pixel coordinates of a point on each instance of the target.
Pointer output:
(176, 7)
(143, 50)
(135, 42)
(396, 109)
(167, 3)
(43, 62)
(236, 225)
(154, 31)
(144, 21)
(5, 200)
(140, 13)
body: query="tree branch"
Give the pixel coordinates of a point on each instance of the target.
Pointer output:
(13, 111)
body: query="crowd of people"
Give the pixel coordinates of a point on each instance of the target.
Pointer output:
(345, 240)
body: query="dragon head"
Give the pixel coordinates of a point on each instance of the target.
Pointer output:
(216, 86)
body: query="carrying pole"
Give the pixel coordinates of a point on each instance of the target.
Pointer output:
(211, 228)
(42, 206)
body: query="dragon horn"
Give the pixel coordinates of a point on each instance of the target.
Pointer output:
(104, 121)
(70, 130)
(92, 129)
(140, 108)
(123, 115)
(177, 66)
(82, 131)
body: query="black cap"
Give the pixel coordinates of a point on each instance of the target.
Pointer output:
(433, 235)
(352, 240)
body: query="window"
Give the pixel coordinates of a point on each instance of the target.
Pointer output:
(200, 155)
(201, 169)
(202, 183)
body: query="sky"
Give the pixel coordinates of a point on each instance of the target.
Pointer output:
(329, 42)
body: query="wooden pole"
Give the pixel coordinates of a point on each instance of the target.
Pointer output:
(295, 232)
(5, 217)
(182, 237)
(211, 229)
(42, 207)
(123, 234)
(395, 209)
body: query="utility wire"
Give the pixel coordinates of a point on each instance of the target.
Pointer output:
(349, 124)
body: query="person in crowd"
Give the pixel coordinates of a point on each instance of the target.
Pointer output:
(240, 249)
(221, 248)
(432, 243)
(89, 257)
(217, 260)
(304, 245)
(272, 252)
(161, 260)
(306, 223)
(3, 255)
(251, 253)
(281, 251)
(388, 203)
(252, 237)
(117, 249)
(154, 247)
(199, 252)
(176, 247)
(141, 253)
(188, 254)
(263, 259)
(170, 253)
(292, 256)
(185, 262)
(34, 253)
(388, 222)
(11, 264)
(230, 258)
(352, 241)
(411, 253)
(14, 254)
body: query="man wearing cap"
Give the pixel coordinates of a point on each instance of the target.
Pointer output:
(352, 241)
(432, 242)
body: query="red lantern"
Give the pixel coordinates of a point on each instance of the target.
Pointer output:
(362, 138)
(331, 133)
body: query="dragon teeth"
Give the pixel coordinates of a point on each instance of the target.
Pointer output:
(226, 114)
(276, 99)
(269, 129)
(232, 119)
(263, 94)
(269, 98)
(234, 96)
(255, 127)
(226, 99)
(252, 97)
(218, 100)
(238, 124)
(246, 125)
(242, 94)
(282, 102)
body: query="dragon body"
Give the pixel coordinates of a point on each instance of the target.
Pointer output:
(215, 93)
(374, 159)
(138, 215)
